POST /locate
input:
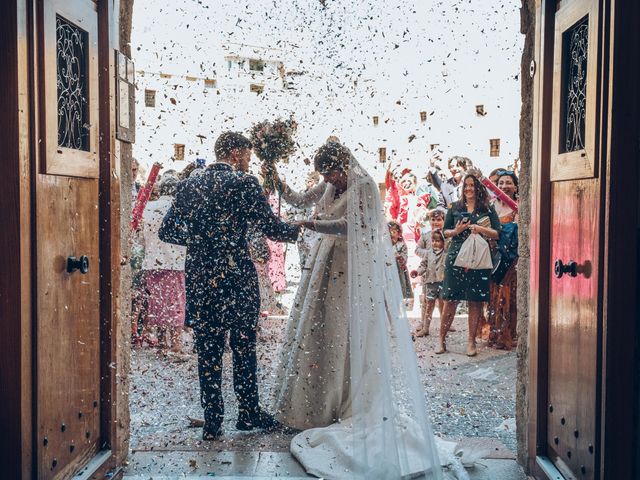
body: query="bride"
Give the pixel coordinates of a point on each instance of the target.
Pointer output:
(348, 376)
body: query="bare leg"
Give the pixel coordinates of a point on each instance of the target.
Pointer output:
(427, 313)
(451, 328)
(446, 319)
(475, 315)
(162, 338)
(423, 307)
(174, 336)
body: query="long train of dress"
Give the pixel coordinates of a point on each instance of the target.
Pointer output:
(360, 420)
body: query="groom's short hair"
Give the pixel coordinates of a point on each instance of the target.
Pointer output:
(229, 141)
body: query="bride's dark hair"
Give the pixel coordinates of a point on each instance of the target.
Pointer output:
(330, 157)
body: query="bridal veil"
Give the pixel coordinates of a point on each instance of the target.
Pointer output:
(389, 435)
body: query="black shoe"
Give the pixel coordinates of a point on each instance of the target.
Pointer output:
(212, 428)
(259, 419)
(211, 432)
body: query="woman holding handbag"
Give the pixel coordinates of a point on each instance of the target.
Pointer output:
(470, 216)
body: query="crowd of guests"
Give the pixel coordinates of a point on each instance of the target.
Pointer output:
(429, 221)
(433, 221)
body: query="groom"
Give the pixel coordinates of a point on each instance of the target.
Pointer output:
(210, 215)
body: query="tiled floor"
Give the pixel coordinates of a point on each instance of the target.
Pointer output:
(260, 465)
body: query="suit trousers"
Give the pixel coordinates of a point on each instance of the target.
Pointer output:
(210, 343)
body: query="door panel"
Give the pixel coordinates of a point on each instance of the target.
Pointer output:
(575, 66)
(573, 339)
(575, 226)
(70, 70)
(66, 222)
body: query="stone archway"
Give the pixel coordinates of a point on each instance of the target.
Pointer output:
(527, 17)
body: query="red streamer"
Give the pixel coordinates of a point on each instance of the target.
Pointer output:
(500, 194)
(143, 196)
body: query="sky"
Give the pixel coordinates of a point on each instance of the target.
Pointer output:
(390, 58)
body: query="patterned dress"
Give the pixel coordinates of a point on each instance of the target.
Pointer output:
(460, 283)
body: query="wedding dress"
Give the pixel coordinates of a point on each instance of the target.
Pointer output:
(318, 331)
(348, 376)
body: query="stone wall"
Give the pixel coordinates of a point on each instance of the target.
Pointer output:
(527, 27)
(123, 290)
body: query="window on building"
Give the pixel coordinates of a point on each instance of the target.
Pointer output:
(480, 112)
(494, 147)
(149, 98)
(382, 153)
(256, 88)
(376, 120)
(423, 116)
(178, 151)
(209, 83)
(256, 65)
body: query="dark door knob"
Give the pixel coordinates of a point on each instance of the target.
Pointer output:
(570, 268)
(81, 264)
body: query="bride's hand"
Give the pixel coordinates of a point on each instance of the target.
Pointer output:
(269, 169)
(305, 224)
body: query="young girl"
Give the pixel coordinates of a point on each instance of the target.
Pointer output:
(432, 272)
(402, 255)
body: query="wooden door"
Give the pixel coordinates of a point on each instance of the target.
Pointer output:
(575, 225)
(67, 364)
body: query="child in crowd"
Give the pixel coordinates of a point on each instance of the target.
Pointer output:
(432, 272)
(402, 255)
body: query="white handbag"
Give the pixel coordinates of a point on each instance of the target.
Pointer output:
(474, 254)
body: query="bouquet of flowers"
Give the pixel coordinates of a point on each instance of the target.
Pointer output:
(273, 141)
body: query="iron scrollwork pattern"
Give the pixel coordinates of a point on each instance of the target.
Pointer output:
(575, 46)
(72, 79)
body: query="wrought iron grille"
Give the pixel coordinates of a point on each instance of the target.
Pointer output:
(72, 82)
(574, 78)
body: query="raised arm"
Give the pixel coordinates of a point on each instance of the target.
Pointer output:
(302, 199)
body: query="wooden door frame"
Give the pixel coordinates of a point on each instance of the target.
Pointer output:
(19, 141)
(113, 408)
(15, 242)
(619, 152)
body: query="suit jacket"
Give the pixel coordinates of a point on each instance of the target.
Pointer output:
(212, 212)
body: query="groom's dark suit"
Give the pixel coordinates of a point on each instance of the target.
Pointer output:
(214, 209)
